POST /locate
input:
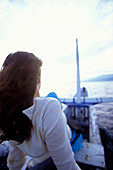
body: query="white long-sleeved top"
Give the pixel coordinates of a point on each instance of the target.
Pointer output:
(50, 137)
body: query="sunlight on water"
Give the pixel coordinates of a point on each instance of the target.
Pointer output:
(100, 89)
(95, 89)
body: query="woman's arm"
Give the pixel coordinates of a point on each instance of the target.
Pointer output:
(56, 138)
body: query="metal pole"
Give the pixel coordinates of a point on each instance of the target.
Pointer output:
(78, 75)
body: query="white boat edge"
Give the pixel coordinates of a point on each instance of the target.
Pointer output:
(86, 100)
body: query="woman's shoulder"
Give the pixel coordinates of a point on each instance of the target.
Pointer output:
(48, 106)
(42, 105)
(45, 101)
(48, 111)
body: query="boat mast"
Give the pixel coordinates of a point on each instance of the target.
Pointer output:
(78, 74)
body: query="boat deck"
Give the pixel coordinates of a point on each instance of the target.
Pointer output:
(91, 155)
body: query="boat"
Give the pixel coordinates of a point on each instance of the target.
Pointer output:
(81, 109)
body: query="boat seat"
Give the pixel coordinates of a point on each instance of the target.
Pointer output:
(91, 154)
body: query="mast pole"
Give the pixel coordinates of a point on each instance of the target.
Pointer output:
(78, 74)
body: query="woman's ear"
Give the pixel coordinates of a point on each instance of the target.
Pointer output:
(39, 83)
(37, 94)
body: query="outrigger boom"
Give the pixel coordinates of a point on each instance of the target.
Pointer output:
(85, 101)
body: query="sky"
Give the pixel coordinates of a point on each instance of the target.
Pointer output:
(49, 29)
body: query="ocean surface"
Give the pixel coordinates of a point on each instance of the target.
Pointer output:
(105, 110)
(95, 89)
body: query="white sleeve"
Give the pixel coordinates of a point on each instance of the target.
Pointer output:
(16, 157)
(69, 133)
(56, 138)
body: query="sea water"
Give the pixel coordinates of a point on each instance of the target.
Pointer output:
(68, 89)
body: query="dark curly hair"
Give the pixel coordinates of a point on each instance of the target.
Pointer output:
(18, 80)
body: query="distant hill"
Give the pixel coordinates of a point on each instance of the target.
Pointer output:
(106, 77)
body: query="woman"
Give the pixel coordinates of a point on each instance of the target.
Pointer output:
(33, 126)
